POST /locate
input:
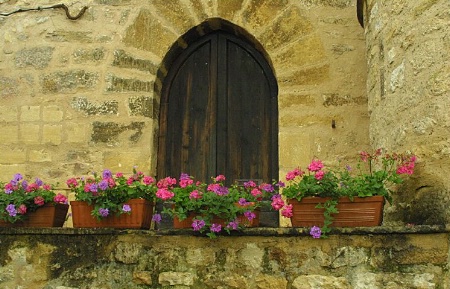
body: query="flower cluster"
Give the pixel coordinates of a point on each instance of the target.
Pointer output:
(213, 207)
(376, 175)
(110, 193)
(21, 196)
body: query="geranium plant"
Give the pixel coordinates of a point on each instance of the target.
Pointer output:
(215, 206)
(375, 175)
(20, 197)
(110, 193)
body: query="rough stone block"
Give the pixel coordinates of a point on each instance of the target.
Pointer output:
(8, 87)
(227, 9)
(38, 57)
(261, 12)
(143, 32)
(306, 51)
(141, 105)
(175, 12)
(70, 36)
(318, 281)
(91, 108)
(118, 84)
(68, 81)
(125, 60)
(83, 55)
(176, 278)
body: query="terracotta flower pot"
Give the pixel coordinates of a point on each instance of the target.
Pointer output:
(49, 215)
(140, 216)
(361, 212)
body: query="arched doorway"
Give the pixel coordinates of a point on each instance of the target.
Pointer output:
(219, 112)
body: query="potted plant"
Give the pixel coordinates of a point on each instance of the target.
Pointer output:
(215, 207)
(342, 197)
(113, 200)
(31, 204)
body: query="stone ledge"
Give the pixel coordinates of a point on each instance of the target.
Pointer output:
(266, 232)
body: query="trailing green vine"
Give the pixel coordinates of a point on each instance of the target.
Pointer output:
(330, 208)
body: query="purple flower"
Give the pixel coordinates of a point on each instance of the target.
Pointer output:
(315, 232)
(197, 225)
(216, 228)
(222, 191)
(107, 174)
(249, 215)
(103, 212)
(11, 209)
(103, 185)
(243, 202)
(93, 188)
(156, 218)
(38, 182)
(233, 225)
(126, 208)
(184, 177)
(24, 185)
(268, 188)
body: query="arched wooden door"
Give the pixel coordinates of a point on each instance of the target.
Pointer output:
(219, 112)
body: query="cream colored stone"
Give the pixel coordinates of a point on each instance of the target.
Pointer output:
(52, 134)
(30, 113)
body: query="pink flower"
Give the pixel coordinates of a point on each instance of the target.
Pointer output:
(32, 187)
(315, 165)
(195, 195)
(47, 187)
(213, 187)
(71, 183)
(166, 182)
(277, 203)
(287, 211)
(256, 192)
(220, 178)
(164, 194)
(319, 175)
(130, 181)
(186, 182)
(39, 201)
(119, 175)
(22, 209)
(60, 198)
(364, 156)
(148, 180)
(250, 184)
(293, 174)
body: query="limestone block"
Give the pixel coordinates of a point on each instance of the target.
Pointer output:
(9, 134)
(30, 113)
(40, 156)
(52, 134)
(29, 133)
(176, 14)
(227, 9)
(252, 256)
(125, 60)
(52, 113)
(261, 12)
(176, 278)
(10, 155)
(320, 282)
(8, 86)
(94, 55)
(68, 81)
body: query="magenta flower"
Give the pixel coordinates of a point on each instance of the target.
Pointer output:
(220, 178)
(233, 225)
(249, 215)
(216, 228)
(277, 203)
(197, 225)
(293, 174)
(147, 180)
(287, 211)
(39, 201)
(195, 194)
(60, 198)
(164, 194)
(22, 209)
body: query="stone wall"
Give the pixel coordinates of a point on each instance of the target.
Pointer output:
(82, 95)
(371, 258)
(408, 48)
